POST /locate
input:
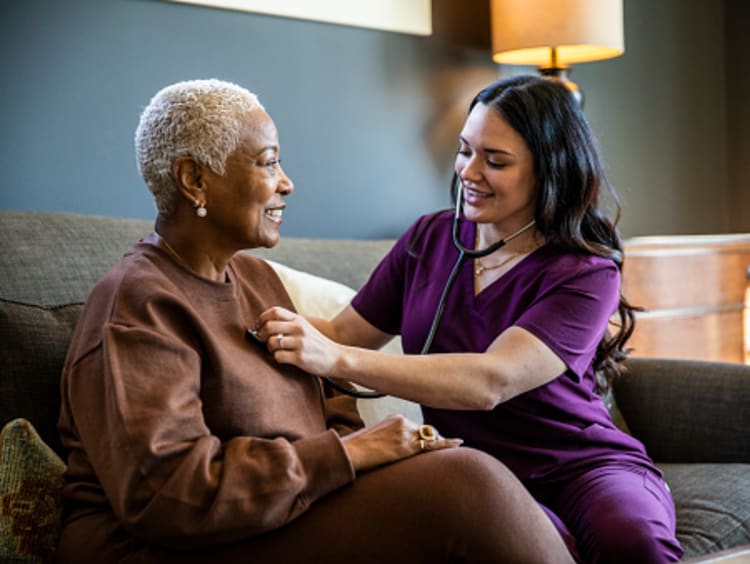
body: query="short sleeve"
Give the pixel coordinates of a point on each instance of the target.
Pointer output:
(572, 316)
(380, 300)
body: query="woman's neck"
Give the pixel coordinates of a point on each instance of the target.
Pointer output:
(520, 237)
(188, 251)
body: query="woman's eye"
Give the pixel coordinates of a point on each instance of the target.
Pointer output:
(272, 163)
(492, 164)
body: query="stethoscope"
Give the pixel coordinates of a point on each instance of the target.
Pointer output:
(464, 254)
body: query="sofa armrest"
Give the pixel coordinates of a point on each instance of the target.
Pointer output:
(687, 410)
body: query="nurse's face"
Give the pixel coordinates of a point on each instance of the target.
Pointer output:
(496, 170)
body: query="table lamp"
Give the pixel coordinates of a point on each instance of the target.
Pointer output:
(553, 34)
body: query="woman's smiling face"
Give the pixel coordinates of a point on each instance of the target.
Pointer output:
(496, 170)
(246, 201)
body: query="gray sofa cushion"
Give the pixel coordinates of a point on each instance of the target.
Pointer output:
(681, 415)
(35, 341)
(57, 258)
(713, 505)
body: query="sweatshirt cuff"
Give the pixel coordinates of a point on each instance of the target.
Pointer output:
(325, 462)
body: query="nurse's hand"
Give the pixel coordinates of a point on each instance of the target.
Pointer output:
(391, 440)
(291, 339)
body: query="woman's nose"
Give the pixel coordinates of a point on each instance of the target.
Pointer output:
(286, 186)
(469, 170)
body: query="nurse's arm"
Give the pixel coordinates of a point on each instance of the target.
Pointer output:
(350, 328)
(514, 363)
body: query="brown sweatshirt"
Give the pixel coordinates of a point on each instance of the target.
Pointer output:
(189, 433)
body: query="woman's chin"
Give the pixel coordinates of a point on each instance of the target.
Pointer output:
(473, 214)
(270, 240)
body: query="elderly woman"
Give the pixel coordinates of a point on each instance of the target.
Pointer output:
(187, 442)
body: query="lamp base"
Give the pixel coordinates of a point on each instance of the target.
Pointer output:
(561, 75)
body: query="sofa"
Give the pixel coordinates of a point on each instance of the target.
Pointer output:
(693, 416)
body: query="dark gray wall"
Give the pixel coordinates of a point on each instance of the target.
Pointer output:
(368, 119)
(737, 19)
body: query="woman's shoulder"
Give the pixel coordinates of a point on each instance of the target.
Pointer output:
(433, 221)
(134, 277)
(563, 263)
(424, 231)
(125, 289)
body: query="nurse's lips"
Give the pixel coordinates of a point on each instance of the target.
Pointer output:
(475, 197)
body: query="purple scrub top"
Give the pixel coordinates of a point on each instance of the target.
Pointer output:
(564, 298)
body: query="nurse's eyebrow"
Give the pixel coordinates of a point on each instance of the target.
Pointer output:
(498, 152)
(489, 149)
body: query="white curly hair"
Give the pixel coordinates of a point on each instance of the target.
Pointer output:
(198, 118)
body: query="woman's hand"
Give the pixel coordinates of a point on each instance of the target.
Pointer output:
(392, 439)
(291, 339)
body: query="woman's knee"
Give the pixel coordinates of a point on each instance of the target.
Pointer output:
(479, 503)
(622, 517)
(471, 479)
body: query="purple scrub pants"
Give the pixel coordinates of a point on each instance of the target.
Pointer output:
(618, 513)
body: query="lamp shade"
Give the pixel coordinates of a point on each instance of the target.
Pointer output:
(525, 31)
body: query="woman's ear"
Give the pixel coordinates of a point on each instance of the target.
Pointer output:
(188, 175)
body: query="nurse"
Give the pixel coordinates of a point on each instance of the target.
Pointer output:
(523, 351)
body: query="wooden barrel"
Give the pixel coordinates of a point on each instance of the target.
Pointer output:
(695, 291)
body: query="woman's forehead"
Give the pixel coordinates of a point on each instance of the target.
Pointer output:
(487, 125)
(258, 132)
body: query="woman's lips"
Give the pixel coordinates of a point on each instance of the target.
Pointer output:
(475, 197)
(274, 214)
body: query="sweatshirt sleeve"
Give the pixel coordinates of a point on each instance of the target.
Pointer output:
(341, 410)
(138, 416)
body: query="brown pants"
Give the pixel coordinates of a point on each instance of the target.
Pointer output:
(457, 505)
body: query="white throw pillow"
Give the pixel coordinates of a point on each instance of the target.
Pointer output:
(314, 296)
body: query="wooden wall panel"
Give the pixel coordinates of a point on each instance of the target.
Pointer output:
(694, 291)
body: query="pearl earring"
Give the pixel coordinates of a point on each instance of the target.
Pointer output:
(201, 210)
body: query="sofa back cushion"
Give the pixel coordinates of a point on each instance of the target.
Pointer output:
(48, 266)
(687, 410)
(34, 343)
(54, 259)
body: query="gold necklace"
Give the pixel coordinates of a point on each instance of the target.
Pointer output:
(169, 249)
(480, 268)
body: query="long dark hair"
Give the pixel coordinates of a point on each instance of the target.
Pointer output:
(570, 181)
